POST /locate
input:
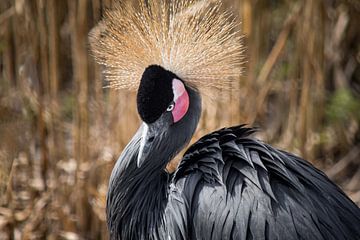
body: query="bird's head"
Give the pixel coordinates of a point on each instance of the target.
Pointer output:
(184, 46)
(170, 111)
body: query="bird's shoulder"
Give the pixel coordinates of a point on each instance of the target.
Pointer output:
(214, 155)
(211, 150)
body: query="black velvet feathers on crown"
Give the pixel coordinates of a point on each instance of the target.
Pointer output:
(155, 93)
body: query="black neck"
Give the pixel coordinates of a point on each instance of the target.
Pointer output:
(137, 197)
(135, 201)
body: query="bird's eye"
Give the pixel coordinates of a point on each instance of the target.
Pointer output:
(170, 107)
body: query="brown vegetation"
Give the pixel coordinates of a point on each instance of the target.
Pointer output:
(61, 131)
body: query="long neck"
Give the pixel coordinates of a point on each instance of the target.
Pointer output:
(137, 197)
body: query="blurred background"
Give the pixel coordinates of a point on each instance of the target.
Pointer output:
(61, 131)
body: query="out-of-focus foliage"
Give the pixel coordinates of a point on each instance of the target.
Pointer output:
(343, 106)
(61, 131)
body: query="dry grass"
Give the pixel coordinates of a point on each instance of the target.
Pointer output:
(61, 132)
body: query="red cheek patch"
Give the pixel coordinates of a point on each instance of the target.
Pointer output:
(181, 99)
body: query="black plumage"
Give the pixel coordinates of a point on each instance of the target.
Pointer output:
(154, 93)
(236, 187)
(227, 186)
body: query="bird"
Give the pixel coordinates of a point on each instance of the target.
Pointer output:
(228, 184)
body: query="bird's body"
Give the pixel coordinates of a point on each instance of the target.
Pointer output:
(231, 186)
(228, 185)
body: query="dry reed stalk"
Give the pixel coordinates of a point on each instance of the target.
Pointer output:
(56, 143)
(5, 171)
(6, 57)
(312, 50)
(97, 77)
(249, 23)
(340, 166)
(262, 79)
(78, 32)
(287, 136)
(44, 86)
(8, 53)
(354, 183)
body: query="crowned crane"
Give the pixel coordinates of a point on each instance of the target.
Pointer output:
(228, 185)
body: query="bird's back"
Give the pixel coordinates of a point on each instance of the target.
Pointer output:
(230, 186)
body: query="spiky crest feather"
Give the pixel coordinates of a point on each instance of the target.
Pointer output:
(194, 39)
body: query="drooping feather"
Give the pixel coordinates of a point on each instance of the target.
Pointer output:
(196, 40)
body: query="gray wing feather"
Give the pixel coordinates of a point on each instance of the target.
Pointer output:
(235, 187)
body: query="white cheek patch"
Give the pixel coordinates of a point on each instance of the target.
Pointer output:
(178, 88)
